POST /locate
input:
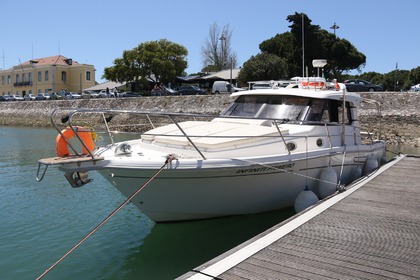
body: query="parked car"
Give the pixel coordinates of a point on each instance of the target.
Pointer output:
(89, 94)
(162, 90)
(224, 87)
(42, 96)
(73, 95)
(29, 97)
(15, 98)
(4, 98)
(263, 85)
(191, 90)
(415, 88)
(361, 86)
(56, 96)
(104, 94)
(128, 94)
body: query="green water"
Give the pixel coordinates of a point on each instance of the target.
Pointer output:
(41, 221)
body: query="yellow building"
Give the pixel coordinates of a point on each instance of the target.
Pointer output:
(46, 75)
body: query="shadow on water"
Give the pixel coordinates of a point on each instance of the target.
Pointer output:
(173, 249)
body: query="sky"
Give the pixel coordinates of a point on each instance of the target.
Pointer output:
(97, 32)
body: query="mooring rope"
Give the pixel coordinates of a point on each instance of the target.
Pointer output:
(169, 159)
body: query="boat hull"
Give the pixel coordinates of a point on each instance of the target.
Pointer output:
(206, 192)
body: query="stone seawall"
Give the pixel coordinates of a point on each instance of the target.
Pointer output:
(399, 121)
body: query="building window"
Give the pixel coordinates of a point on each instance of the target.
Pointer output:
(46, 75)
(88, 76)
(30, 91)
(17, 78)
(63, 76)
(3, 80)
(23, 78)
(8, 79)
(39, 76)
(30, 77)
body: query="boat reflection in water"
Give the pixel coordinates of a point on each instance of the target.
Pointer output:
(173, 249)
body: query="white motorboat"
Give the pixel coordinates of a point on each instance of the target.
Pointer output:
(256, 156)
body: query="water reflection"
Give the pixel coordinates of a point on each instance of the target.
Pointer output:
(173, 249)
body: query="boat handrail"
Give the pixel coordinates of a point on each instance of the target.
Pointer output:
(70, 113)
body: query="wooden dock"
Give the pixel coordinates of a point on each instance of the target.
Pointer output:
(369, 231)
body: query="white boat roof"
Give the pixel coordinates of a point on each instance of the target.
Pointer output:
(309, 93)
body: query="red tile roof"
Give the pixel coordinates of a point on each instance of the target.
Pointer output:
(57, 59)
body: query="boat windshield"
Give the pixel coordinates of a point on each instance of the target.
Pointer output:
(277, 107)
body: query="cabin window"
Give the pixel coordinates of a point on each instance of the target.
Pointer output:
(289, 108)
(334, 110)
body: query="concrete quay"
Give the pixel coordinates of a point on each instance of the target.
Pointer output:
(399, 121)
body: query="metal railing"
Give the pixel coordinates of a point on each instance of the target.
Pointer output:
(139, 122)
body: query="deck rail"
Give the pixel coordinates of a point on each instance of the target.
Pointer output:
(137, 122)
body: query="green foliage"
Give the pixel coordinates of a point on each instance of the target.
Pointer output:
(263, 66)
(159, 61)
(414, 76)
(318, 44)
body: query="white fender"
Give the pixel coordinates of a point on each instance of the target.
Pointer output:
(305, 199)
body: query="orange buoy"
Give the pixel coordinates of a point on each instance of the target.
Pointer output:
(61, 141)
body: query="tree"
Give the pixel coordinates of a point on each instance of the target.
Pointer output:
(216, 51)
(318, 44)
(159, 61)
(263, 66)
(414, 76)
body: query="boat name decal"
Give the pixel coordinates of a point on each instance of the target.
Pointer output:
(266, 168)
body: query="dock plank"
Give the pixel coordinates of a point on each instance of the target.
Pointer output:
(373, 233)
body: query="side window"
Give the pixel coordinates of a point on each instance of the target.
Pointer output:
(316, 109)
(347, 118)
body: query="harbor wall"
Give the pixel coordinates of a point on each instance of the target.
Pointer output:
(399, 121)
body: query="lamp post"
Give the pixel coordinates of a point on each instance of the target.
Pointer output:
(231, 69)
(223, 39)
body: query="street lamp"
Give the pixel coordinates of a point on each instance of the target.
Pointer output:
(223, 39)
(335, 27)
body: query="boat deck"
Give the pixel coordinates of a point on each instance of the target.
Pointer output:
(369, 231)
(69, 159)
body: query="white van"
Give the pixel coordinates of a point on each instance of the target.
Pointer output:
(224, 87)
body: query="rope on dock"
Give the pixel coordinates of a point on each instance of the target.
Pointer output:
(168, 160)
